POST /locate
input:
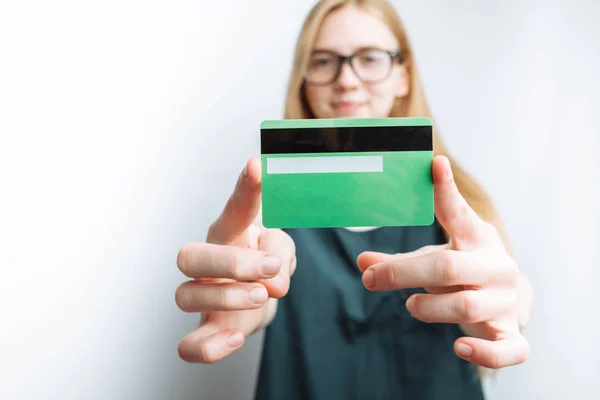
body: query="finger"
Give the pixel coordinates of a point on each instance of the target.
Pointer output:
(242, 207)
(205, 260)
(451, 209)
(208, 344)
(441, 269)
(506, 352)
(463, 307)
(281, 245)
(196, 296)
(368, 258)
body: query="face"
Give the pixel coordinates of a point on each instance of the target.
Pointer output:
(345, 32)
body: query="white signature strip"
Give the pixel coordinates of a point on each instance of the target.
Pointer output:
(324, 164)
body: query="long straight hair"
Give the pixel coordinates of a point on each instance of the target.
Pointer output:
(414, 104)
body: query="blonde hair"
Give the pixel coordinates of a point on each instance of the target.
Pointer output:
(414, 104)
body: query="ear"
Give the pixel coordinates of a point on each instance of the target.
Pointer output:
(403, 87)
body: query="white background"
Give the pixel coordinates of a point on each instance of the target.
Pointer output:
(125, 123)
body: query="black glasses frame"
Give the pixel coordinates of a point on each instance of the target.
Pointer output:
(394, 56)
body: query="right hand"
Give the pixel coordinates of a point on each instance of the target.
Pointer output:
(237, 275)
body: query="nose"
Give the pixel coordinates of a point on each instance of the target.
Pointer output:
(347, 78)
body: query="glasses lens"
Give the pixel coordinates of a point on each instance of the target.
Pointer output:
(372, 65)
(322, 68)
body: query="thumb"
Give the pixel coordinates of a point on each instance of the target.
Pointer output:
(451, 209)
(242, 207)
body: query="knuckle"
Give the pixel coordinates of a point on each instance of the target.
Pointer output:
(233, 265)
(211, 261)
(392, 275)
(495, 359)
(225, 298)
(447, 268)
(468, 308)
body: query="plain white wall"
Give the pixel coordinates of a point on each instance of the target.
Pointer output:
(125, 123)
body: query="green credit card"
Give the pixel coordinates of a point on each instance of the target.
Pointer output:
(330, 173)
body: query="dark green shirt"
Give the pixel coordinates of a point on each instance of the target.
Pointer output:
(333, 339)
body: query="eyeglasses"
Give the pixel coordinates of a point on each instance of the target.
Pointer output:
(371, 65)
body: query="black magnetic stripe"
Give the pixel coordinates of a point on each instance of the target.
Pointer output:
(332, 140)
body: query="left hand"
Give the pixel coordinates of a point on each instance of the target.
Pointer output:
(471, 281)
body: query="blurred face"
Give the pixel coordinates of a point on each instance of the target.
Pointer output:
(366, 87)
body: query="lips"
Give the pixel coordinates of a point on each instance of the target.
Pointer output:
(348, 106)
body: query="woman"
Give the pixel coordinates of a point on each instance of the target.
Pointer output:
(402, 312)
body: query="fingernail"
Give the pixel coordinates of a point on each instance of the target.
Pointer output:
(245, 171)
(258, 295)
(270, 265)
(235, 339)
(463, 350)
(369, 279)
(409, 303)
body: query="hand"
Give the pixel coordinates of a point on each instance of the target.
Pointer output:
(237, 275)
(470, 281)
